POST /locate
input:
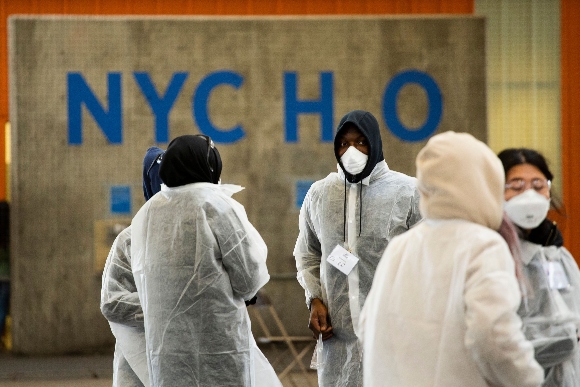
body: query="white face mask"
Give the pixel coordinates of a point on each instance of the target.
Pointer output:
(354, 161)
(528, 209)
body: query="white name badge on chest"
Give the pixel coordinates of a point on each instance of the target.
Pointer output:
(341, 259)
(556, 275)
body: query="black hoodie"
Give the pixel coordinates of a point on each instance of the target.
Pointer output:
(369, 126)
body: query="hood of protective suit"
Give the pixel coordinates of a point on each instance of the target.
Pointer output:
(369, 126)
(459, 177)
(190, 159)
(151, 180)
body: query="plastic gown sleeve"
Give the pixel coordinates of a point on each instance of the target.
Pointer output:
(119, 299)
(243, 250)
(566, 372)
(573, 273)
(414, 214)
(123, 374)
(548, 323)
(308, 253)
(494, 335)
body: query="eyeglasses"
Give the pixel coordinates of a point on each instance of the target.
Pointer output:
(519, 185)
(210, 146)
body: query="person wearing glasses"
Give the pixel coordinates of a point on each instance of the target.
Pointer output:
(196, 260)
(551, 311)
(119, 298)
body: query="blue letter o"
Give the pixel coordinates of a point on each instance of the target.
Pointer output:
(390, 105)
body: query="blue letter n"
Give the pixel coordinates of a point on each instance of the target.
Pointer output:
(79, 93)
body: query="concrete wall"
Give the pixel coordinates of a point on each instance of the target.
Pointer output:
(71, 194)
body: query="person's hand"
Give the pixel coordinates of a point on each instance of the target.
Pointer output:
(319, 320)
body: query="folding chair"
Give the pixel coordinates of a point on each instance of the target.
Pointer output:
(263, 303)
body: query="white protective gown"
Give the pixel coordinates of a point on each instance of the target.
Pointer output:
(551, 314)
(196, 258)
(121, 307)
(123, 374)
(442, 309)
(389, 207)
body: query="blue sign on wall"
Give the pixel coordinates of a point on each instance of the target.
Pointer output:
(120, 196)
(109, 114)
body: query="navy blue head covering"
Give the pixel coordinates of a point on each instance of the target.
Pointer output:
(191, 158)
(151, 180)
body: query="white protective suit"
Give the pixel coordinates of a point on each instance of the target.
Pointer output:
(120, 302)
(442, 309)
(121, 307)
(551, 313)
(123, 374)
(196, 258)
(361, 213)
(389, 207)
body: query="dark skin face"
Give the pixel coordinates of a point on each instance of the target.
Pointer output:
(351, 136)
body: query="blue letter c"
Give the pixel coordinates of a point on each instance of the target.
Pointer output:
(200, 101)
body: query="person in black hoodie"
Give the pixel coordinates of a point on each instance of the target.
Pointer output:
(550, 312)
(346, 221)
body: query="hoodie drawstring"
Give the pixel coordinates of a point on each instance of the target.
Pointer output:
(359, 212)
(344, 214)
(360, 209)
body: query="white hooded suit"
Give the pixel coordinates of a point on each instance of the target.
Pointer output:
(442, 308)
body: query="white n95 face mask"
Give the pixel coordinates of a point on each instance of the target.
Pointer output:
(354, 161)
(528, 209)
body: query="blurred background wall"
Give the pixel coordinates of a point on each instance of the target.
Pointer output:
(85, 105)
(532, 78)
